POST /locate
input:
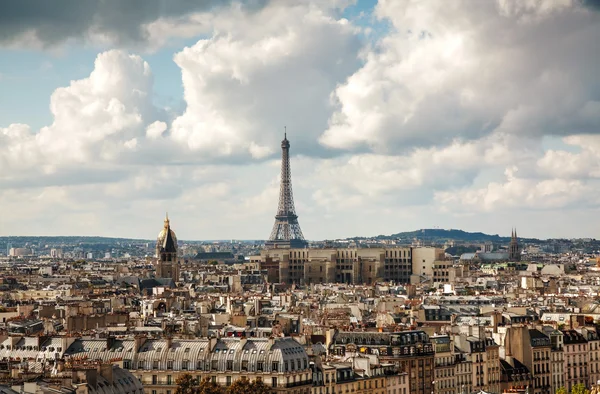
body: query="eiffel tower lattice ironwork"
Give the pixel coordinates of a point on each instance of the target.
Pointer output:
(286, 230)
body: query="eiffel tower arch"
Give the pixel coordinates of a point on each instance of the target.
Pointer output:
(286, 231)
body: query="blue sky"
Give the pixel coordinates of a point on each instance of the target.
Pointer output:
(182, 107)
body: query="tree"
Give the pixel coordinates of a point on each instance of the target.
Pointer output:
(244, 386)
(259, 387)
(579, 389)
(207, 386)
(187, 384)
(561, 390)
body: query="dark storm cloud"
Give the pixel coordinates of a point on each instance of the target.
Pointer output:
(592, 3)
(58, 20)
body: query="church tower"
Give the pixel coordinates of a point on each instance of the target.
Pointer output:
(514, 254)
(166, 253)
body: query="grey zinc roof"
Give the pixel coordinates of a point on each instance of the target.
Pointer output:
(97, 349)
(196, 353)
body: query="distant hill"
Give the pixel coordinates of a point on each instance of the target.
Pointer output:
(441, 236)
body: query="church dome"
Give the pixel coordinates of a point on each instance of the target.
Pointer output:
(163, 240)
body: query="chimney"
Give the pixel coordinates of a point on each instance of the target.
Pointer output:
(212, 343)
(139, 341)
(169, 341)
(110, 341)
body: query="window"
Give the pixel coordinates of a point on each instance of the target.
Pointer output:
(259, 366)
(275, 366)
(230, 365)
(184, 365)
(169, 379)
(200, 365)
(170, 364)
(154, 381)
(140, 365)
(214, 365)
(127, 364)
(228, 381)
(274, 382)
(244, 365)
(155, 364)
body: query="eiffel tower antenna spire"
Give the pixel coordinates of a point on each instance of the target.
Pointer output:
(286, 231)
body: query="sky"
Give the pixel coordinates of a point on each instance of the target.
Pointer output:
(401, 114)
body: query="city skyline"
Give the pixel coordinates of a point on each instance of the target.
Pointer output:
(402, 116)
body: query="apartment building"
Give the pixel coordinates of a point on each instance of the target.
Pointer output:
(410, 351)
(445, 363)
(557, 374)
(352, 265)
(576, 358)
(593, 365)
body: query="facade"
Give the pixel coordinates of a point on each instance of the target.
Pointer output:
(349, 265)
(445, 364)
(483, 353)
(424, 260)
(532, 348)
(463, 370)
(410, 351)
(576, 358)
(557, 374)
(281, 363)
(593, 365)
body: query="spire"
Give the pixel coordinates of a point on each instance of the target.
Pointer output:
(167, 223)
(169, 244)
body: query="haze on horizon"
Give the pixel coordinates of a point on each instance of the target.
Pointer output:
(402, 115)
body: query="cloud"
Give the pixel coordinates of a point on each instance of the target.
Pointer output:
(260, 72)
(34, 23)
(547, 194)
(452, 70)
(96, 120)
(443, 120)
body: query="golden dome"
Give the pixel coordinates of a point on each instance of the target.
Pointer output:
(160, 240)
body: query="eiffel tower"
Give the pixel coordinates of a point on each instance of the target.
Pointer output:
(286, 230)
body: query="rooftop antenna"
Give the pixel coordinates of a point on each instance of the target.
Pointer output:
(285, 132)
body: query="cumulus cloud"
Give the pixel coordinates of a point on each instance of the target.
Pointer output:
(520, 192)
(34, 23)
(98, 119)
(462, 70)
(260, 72)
